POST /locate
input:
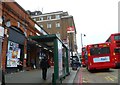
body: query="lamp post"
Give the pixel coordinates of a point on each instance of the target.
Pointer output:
(81, 39)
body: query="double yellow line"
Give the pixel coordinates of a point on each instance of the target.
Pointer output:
(109, 78)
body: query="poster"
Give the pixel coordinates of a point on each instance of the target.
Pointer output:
(60, 62)
(13, 54)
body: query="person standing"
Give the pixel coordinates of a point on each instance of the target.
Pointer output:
(33, 63)
(44, 65)
(20, 65)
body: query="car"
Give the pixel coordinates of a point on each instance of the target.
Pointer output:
(75, 61)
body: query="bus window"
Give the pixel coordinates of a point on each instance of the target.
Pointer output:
(117, 50)
(105, 50)
(97, 51)
(117, 37)
(86, 57)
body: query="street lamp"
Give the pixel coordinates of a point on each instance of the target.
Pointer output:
(81, 39)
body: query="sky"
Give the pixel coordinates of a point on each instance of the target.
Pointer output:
(97, 19)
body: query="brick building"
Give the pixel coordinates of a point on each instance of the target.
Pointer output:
(58, 23)
(16, 45)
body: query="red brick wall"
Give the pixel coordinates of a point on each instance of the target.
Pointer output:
(14, 13)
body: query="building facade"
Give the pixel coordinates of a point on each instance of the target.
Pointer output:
(58, 23)
(119, 16)
(16, 44)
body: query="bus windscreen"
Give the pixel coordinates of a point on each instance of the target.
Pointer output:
(98, 51)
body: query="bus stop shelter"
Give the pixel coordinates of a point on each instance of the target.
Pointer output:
(61, 59)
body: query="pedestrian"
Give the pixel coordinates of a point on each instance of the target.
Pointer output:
(20, 65)
(33, 64)
(44, 66)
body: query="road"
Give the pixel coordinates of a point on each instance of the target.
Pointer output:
(97, 77)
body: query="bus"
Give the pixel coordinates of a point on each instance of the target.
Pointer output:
(114, 39)
(83, 57)
(98, 56)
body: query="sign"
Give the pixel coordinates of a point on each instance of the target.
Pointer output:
(1, 31)
(101, 59)
(70, 29)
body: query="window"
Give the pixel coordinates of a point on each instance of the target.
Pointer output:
(97, 51)
(34, 19)
(57, 16)
(49, 25)
(117, 37)
(41, 18)
(109, 40)
(41, 26)
(35, 13)
(83, 49)
(37, 18)
(57, 25)
(117, 50)
(86, 55)
(48, 17)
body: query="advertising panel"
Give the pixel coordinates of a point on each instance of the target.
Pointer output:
(13, 54)
(101, 59)
(60, 58)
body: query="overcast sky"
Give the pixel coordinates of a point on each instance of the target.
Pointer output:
(97, 19)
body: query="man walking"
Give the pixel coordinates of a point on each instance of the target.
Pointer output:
(44, 65)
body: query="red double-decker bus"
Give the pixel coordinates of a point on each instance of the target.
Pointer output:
(83, 60)
(99, 56)
(114, 39)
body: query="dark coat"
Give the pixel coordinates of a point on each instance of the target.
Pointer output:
(44, 64)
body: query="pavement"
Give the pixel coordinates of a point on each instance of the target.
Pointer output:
(35, 77)
(70, 78)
